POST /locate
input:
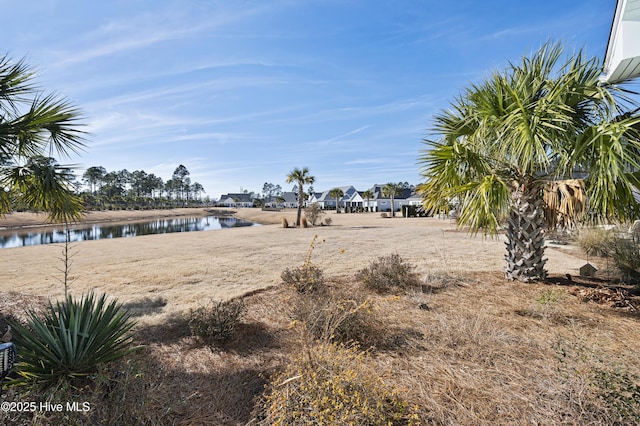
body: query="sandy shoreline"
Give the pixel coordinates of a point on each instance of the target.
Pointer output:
(188, 269)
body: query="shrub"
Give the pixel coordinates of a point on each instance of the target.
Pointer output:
(387, 273)
(328, 221)
(383, 214)
(596, 241)
(72, 339)
(285, 223)
(621, 393)
(334, 317)
(626, 255)
(332, 384)
(303, 222)
(305, 278)
(216, 322)
(314, 213)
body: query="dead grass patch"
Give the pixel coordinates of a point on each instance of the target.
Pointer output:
(471, 358)
(463, 348)
(145, 306)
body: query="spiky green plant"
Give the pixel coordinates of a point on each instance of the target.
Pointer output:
(72, 339)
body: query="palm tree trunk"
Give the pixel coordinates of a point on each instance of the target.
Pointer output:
(525, 238)
(300, 200)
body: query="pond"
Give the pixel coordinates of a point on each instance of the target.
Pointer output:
(51, 235)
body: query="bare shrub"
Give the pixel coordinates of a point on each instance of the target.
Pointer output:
(383, 214)
(388, 273)
(285, 222)
(335, 316)
(328, 221)
(303, 222)
(306, 278)
(314, 213)
(333, 384)
(215, 323)
(596, 241)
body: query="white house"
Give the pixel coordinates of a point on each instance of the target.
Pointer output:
(236, 200)
(288, 200)
(355, 203)
(622, 60)
(380, 203)
(326, 201)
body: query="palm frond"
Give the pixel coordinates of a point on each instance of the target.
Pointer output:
(15, 83)
(485, 204)
(565, 202)
(610, 153)
(44, 186)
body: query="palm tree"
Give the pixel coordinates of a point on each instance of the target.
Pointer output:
(508, 146)
(368, 194)
(337, 193)
(392, 190)
(33, 126)
(300, 177)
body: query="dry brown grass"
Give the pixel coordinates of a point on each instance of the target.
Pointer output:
(466, 348)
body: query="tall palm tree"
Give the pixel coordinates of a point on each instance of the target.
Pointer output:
(300, 177)
(33, 127)
(509, 145)
(337, 193)
(392, 190)
(368, 194)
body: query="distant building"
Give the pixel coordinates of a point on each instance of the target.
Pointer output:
(287, 200)
(236, 200)
(326, 201)
(381, 203)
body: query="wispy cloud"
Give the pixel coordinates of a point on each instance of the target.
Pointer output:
(334, 139)
(143, 30)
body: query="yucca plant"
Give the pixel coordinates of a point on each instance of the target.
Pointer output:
(72, 339)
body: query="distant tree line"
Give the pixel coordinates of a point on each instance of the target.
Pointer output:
(139, 189)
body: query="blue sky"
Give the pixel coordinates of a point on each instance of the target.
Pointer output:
(241, 92)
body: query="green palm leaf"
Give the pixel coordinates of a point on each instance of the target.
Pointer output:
(506, 138)
(34, 126)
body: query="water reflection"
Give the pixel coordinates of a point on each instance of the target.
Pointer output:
(23, 237)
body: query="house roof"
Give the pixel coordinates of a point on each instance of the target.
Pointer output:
(622, 60)
(326, 195)
(241, 197)
(286, 197)
(377, 193)
(290, 197)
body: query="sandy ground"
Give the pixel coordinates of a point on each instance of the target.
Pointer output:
(190, 269)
